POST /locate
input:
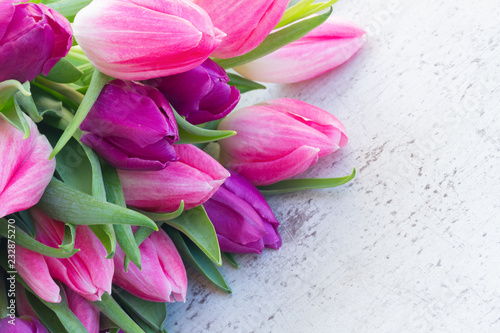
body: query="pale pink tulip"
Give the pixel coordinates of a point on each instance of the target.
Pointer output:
(246, 22)
(144, 39)
(279, 139)
(25, 167)
(324, 48)
(193, 178)
(87, 272)
(162, 275)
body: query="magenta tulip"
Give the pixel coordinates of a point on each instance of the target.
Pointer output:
(279, 139)
(132, 127)
(201, 94)
(246, 22)
(163, 276)
(324, 48)
(25, 167)
(33, 38)
(24, 324)
(87, 272)
(243, 220)
(139, 39)
(193, 178)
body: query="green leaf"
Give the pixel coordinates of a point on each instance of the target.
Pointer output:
(27, 104)
(276, 40)
(4, 311)
(303, 9)
(96, 85)
(24, 240)
(189, 133)
(293, 185)
(195, 224)
(64, 203)
(68, 243)
(9, 88)
(244, 85)
(230, 258)
(113, 311)
(69, 8)
(64, 72)
(45, 314)
(14, 115)
(163, 216)
(24, 221)
(198, 260)
(151, 315)
(124, 234)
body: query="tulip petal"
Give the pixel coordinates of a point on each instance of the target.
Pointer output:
(269, 172)
(33, 269)
(227, 245)
(26, 168)
(83, 310)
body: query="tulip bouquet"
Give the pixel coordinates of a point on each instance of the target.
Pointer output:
(122, 159)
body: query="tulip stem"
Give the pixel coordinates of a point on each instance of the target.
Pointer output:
(72, 95)
(115, 313)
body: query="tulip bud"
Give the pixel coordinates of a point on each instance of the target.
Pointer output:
(243, 220)
(162, 275)
(139, 40)
(33, 38)
(201, 94)
(25, 167)
(324, 48)
(246, 22)
(24, 324)
(193, 178)
(132, 127)
(83, 310)
(279, 139)
(87, 272)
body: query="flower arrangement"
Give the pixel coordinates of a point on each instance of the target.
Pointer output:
(124, 155)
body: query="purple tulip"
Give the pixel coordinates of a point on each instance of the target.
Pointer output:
(201, 94)
(33, 38)
(243, 220)
(163, 276)
(132, 127)
(24, 324)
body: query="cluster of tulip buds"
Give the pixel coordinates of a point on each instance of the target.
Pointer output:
(125, 157)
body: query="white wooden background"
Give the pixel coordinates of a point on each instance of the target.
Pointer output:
(413, 243)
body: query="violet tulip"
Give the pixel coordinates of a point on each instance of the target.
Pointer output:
(140, 39)
(201, 94)
(132, 127)
(25, 167)
(246, 22)
(23, 324)
(243, 220)
(163, 276)
(324, 48)
(193, 178)
(87, 272)
(279, 139)
(33, 38)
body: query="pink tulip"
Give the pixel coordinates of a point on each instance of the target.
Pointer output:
(25, 167)
(324, 48)
(279, 139)
(141, 39)
(246, 22)
(24, 324)
(193, 178)
(162, 275)
(87, 272)
(83, 310)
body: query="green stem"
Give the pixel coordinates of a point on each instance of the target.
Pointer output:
(115, 313)
(74, 96)
(96, 84)
(57, 95)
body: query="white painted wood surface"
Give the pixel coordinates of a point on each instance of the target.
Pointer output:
(413, 243)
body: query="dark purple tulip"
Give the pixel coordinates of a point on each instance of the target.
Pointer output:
(132, 127)
(201, 94)
(33, 38)
(243, 220)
